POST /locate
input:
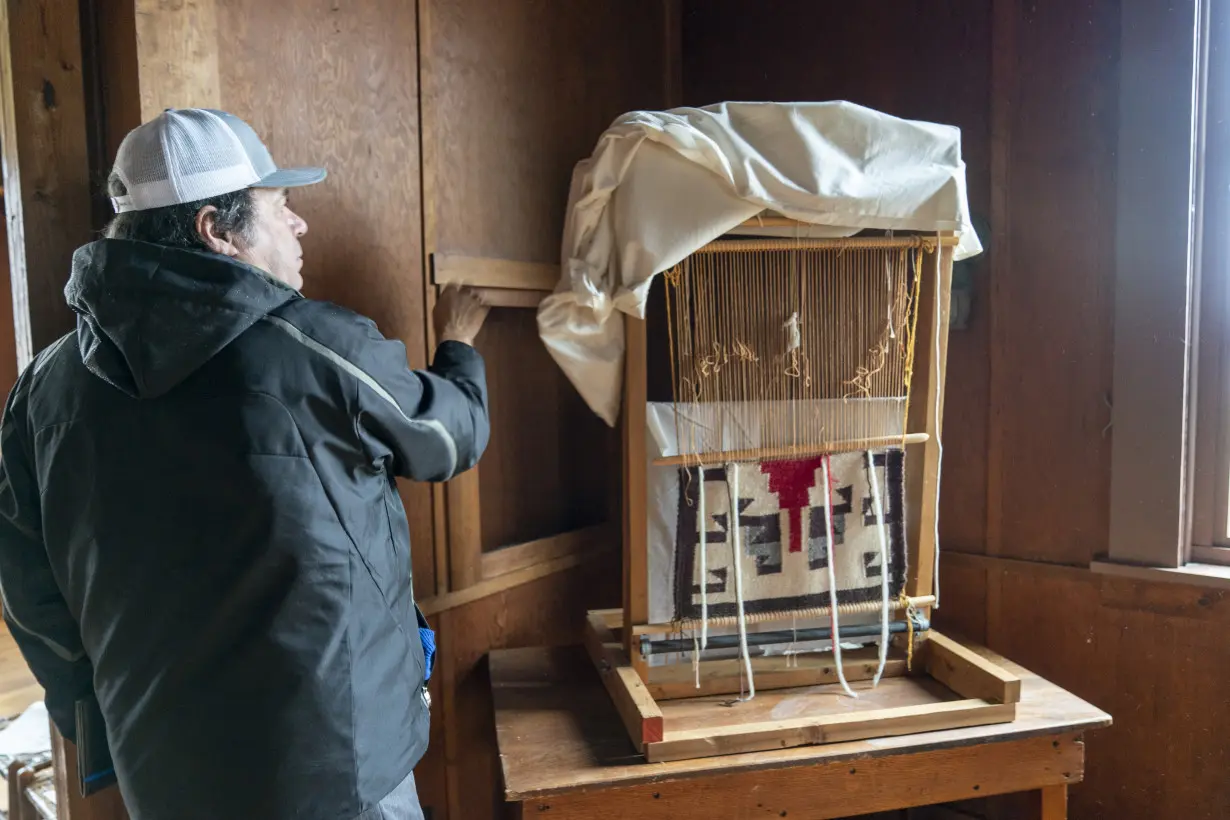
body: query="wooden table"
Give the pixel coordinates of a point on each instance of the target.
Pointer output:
(565, 755)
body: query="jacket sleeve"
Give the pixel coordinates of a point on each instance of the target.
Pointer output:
(34, 609)
(430, 424)
(434, 422)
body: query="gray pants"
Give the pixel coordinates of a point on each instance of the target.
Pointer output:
(400, 804)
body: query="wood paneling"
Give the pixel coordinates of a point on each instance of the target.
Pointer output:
(514, 95)
(178, 55)
(1151, 654)
(734, 50)
(550, 467)
(337, 85)
(46, 163)
(1054, 98)
(548, 612)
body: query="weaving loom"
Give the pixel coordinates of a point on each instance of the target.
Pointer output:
(782, 399)
(791, 364)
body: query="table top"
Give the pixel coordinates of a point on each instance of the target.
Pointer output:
(558, 731)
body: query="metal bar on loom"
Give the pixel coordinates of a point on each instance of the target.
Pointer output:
(675, 646)
(762, 453)
(678, 627)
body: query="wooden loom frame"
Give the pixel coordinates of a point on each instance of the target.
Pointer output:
(987, 693)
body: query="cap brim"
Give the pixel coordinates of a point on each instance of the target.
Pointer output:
(292, 178)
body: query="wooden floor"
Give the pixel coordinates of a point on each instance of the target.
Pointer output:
(18, 688)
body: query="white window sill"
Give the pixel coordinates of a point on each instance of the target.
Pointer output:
(1208, 575)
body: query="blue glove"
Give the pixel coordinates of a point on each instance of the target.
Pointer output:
(428, 639)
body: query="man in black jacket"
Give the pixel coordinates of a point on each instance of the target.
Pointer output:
(202, 547)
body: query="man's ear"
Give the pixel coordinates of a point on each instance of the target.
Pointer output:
(207, 228)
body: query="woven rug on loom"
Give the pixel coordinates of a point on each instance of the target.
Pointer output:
(784, 534)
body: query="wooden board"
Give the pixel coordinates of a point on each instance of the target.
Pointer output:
(715, 721)
(636, 706)
(453, 269)
(560, 735)
(677, 680)
(963, 670)
(781, 734)
(585, 541)
(834, 789)
(635, 521)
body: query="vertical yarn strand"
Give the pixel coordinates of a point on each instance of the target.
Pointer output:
(732, 488)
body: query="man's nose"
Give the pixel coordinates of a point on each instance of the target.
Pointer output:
(297, 224)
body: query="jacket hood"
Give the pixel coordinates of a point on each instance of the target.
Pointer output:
(149, 316)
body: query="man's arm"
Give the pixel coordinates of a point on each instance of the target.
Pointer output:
(433, 423)
(429, 425)
(437, 424)
(35, 611)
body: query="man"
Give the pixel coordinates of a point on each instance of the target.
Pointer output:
(201, 540)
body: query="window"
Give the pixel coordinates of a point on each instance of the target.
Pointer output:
(1170, 462)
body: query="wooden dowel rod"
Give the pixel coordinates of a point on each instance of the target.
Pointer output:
(763, 453)
(840, 243)
(920, 602)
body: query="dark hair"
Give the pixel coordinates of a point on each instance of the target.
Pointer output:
(175, 225)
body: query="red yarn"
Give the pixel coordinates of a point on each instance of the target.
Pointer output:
(791, 482)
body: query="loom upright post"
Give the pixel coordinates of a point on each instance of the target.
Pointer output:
(636, 527)
(926, 414)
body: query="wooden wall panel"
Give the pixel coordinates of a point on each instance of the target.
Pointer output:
(514, 95)
(1055, 102)
(46, 163)
(552, 466)
(337, 85)
(547, 612)
(1151, 654)
(924, 60)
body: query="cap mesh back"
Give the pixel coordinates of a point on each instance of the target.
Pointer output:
(181, 156)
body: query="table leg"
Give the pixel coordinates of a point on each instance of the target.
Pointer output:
(1055, 802)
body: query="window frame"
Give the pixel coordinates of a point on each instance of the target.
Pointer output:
(1170, 458)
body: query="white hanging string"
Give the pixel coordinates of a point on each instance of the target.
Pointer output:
(696, 660)
(827, 492)
(878, 509)
(732, 488)
(704, 566)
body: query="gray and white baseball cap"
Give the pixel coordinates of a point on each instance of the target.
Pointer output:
(188, 154)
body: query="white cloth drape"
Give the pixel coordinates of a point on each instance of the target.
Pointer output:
(659, 185)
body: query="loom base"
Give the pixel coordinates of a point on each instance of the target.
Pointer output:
(669, 719)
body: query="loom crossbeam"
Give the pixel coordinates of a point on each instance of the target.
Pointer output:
(776, 453)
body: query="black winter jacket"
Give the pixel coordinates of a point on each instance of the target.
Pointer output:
(200, 528)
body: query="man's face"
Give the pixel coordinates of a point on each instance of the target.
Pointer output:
(273, 242)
